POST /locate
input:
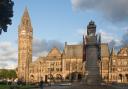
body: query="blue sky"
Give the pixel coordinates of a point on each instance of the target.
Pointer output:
(61, 20)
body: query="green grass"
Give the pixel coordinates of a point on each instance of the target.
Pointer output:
(16, 87)
(4, 87)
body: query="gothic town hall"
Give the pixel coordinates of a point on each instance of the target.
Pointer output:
(66, 65)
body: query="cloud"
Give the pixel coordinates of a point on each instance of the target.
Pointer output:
(105, 36)
(125, 38)
(113, 10)
(7, 52)
(8, 55)
(110, 38)
(3, 65)
(42, 47)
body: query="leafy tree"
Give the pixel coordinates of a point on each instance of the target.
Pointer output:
(7, 74)
(12, 74)
(3, 73)
(6, 12)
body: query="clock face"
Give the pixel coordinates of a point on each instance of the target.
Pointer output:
(23, 32)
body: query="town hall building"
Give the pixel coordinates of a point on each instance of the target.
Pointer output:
(66, 65)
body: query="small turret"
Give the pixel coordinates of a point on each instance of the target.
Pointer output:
(113, 52)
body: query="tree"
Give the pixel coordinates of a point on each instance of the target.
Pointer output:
(8, 74)
(12, 74)
(6, 13)
(3, 73)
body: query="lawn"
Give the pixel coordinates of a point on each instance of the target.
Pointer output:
(4, 86)
(15, 87)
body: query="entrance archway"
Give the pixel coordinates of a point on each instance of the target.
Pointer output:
(50, 78)
(126, 77)
(121, 77)
(79, 76)
(32, 78)
(59, 77)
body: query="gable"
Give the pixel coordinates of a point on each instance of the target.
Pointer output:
(54, 52)
(123, 52)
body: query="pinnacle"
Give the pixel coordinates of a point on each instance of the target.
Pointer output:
(26, 9)
(26, 12)
(113, 52)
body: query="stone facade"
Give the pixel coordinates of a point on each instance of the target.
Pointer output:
(67, 64)
(104, 63)
(58, 66)
(73, 68)
(48, 68)
(118, 71)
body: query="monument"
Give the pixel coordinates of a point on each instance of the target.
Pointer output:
(92, 51)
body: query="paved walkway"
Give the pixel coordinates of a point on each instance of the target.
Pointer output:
(120, 86)
(79, 86)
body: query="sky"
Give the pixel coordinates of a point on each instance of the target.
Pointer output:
(57, 21)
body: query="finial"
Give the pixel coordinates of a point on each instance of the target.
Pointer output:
(26, 9)
(25, 14)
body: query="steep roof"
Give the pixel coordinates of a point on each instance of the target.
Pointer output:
(76, 51)
(73, 51)
(105, 50)
(54, 52)
(123, 52)
(25, 21)
(26, 14)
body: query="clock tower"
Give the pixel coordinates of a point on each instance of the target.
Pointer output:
(25, 36)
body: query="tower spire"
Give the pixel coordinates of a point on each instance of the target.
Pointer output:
(26, 13)
(26, 18)
(25, 21)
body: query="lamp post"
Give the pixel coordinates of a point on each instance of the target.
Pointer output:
(40, 70)
(70, 70)
(51, 67)
(76, 71)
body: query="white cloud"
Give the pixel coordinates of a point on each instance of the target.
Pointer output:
(42, 47)
(107, 37)
(8, 55)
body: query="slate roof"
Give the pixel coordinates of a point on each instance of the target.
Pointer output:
(73, 51)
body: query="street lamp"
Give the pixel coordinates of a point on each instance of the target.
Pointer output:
(69, 70)
(76, 70)
(50, 75)
(40, 70)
